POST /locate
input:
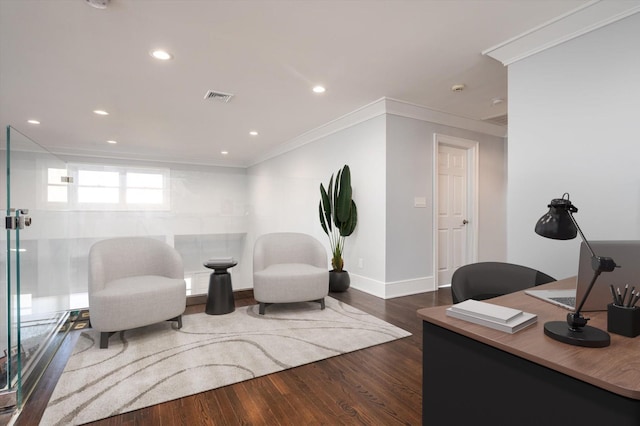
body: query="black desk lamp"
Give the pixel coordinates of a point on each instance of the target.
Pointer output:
(560, 224)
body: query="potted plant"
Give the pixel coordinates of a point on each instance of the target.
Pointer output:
(338, 217)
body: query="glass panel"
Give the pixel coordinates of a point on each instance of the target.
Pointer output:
(98, 195)
(98, 178)
(197, 249)
(208, 218)
(98, 187)
(57, 190)
(57, 194)
(4, 289)
(144, 196)
(145, 188)
(55, 176)
(36, 288)
(144, 180)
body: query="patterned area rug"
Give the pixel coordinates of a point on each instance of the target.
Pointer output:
(154, 364)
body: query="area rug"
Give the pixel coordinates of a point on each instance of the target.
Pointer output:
(154, 364)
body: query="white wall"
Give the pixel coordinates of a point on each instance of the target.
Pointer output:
(410, 174)
(285, 191)
(574, 127)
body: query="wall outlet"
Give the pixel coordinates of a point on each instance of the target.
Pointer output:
(360, 263)
(420, 202)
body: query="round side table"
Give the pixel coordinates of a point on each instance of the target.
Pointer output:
(220, 295)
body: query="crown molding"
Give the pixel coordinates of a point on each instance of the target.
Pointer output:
(139, 157)
(409, 110)
(380, 107)
(364, 113)
(586, 18)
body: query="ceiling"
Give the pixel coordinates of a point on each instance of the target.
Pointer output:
(62, 59)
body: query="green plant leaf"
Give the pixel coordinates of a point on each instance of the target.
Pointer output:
(333, 193)
(322, 222)
(350, 225)
(343, 202)
(326, 205)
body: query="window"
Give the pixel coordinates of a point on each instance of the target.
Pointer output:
(56, 186)
(144, 188)
(97, 187)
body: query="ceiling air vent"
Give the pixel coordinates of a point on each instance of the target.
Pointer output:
(218, 96)
(500, 120)
(98, 4)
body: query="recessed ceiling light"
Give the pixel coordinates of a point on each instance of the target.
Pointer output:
(224, 152)
(112, 142)
(496, 101)
(253, 133)
(457, 87)
(100, 112)
(163, 55)
(33, 122)
(319, 89)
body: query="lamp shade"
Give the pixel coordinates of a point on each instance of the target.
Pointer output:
(557, 223)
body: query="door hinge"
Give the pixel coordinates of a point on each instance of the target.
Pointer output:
(10, 222)
(17, 221)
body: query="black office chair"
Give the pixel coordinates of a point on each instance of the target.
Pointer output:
(485, 280)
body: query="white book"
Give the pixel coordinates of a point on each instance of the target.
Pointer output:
(219, 262)
(521, 321)
(486, 310)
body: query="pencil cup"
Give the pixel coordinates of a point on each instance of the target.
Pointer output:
(622, 320)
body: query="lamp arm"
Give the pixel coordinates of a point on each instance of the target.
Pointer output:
(573, 219)
(577, 314)
(599, 265)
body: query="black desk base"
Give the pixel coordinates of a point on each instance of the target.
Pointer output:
(220, 295)
(466, 382)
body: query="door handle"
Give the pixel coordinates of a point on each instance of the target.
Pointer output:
(465, 221)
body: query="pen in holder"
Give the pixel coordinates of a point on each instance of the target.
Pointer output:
(623, 320)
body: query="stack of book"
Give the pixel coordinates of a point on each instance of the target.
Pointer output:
(490, 315)
(221, 262)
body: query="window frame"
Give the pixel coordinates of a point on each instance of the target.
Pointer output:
(73, 203)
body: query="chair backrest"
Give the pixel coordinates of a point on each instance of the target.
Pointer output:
(485, 280)
(288, 247)
(117, 258)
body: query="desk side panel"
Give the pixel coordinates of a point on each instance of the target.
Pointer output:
(468, 382)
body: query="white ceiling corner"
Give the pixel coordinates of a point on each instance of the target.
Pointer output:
(586, 18)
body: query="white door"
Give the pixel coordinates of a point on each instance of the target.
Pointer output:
(452, 211)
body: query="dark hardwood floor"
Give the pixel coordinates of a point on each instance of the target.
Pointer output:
(381, 385)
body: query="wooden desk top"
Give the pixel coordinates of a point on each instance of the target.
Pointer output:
(615, 368)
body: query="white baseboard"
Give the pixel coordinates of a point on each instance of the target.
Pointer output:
(388, 290)
(392, 289)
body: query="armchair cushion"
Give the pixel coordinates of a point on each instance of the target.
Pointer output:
(118, 305)
(280, 283)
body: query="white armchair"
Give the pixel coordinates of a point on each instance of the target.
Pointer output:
(133, 282)
(289, 267)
